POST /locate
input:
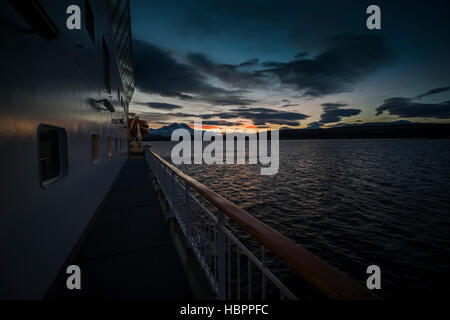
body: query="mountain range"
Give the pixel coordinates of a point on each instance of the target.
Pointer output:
(369, 130)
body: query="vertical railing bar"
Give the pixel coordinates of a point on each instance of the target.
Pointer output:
(238, 273)
(205, 237)
(204, 243)
(264, 273)
(216, 253)
(209, 247)
(196, 220)
(213, 252)
(212, 246)
(173, 192)
(249, 267)
(202, 237)
(221, 263)
(216, 256)
(188, 213)
(229, 269)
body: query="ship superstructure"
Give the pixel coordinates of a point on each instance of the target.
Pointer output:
(63, 134)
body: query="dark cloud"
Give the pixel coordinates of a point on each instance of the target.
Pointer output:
(346, 60)
(333, 113)
(159, 105)
(228, 100)
(411, 108)
(289, 105)
(228, 73)
(433, 91)
(333, 105)
(391, 103)
(301, 55)
(408, 108)
(157, 72)
(261, 116)
(165, 117)
(249, 63)
(221, 123)
(314, 125)
(220, 115)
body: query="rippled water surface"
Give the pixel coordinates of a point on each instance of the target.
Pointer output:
(354, 203)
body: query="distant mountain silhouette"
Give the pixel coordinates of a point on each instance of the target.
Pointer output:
(368, 130)
(372, 130)
(164, 133)
(376, 124)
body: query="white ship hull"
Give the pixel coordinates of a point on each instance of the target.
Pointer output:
(54, 82)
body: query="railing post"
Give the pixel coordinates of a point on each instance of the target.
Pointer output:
(174, 193)
(221, 252)
(263, 273)
(249, 272)
(229, 269)
(238, 257)
(188, 214)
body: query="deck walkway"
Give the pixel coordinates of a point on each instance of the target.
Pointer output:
(128, 252)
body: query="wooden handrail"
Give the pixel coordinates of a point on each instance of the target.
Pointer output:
(327, 279)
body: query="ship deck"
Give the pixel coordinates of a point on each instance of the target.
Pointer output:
(127, 252)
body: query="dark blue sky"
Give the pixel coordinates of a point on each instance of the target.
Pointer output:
(290, 63)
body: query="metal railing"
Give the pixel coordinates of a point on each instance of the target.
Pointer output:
(230, 266)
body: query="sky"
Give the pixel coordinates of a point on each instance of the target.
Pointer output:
(260, 64)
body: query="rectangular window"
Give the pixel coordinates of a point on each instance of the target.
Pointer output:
(52, 153)
(89, 21)
(95, 148)
(106, 66)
